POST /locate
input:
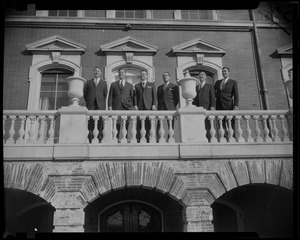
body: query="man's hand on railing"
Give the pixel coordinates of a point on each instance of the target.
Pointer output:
(153, 107)
(109, 108)
(212, 108)
(135, 107)
(235, 108)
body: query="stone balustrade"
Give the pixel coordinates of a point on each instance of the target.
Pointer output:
(43, 127)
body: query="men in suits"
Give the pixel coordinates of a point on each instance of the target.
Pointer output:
(167, 96)
(145, 99)
(227, 96)
(205, 98)
(121, 96)
(94, 93)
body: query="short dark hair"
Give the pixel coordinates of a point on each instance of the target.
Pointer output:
(121, 69)
(98, 68)
(226, 68)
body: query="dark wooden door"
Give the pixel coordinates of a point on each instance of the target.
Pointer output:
(131, 217)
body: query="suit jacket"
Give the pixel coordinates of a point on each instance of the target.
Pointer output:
(205, 96)
(92, 92)
(121, 98)
(146, 97)
(168, 98)
(228, 97)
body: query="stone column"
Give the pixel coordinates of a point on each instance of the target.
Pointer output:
(69, 213)
(199, 219)
(73, 125)
(192, 125)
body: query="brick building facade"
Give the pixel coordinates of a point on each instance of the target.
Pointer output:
(171, 187)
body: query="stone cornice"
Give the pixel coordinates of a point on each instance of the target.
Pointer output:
(128, 24)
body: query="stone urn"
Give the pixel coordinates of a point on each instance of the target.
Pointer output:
(75, 91)
(188, 86)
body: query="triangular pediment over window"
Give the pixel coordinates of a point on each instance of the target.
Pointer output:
(285, 51)
(56, 43)
(129, 44)
(199, 45)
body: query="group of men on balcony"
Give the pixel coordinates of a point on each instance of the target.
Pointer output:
(143, 96)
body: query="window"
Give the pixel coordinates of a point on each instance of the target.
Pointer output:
(194, 14)
(194, 72)
(54, 89)
(130, 14)
(62, 13)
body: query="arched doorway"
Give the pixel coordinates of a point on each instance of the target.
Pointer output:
(26, 212)
(262, 208)
(134, 209)
(131, 216)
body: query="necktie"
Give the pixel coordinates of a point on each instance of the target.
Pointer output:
(222, 84)
(144, 84)
(121, 83)
(200, 86)
(165, 86)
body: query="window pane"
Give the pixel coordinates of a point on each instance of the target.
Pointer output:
(184, 14)
(52, 12)
(48, 82)
(139, 14)
(48, 100)
(72, 13)
(194, 15)
(120, 14)
(62, 100)
(63, 13)
(129, 14)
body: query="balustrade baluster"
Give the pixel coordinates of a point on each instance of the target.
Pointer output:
(87, 131)
(105, 132)
(284, 137)
(275, 137)
(133, 130)
(266, 130)
(41, 133)
(123, 131)
(31, 133)
(114, 129)
(95, 139)
(20, 140)
(161, 131)
(152, 132)
(143, 130)
(239, 131)
(171, 130)
(222, 139)
(50, 139)
(212, 131)
(11, 131)
(4, 120)
(230, 137)
(257, 137)
(249, 138)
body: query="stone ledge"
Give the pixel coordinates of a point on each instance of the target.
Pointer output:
(43, 152)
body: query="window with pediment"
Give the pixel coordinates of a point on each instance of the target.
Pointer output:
(54, 59)
(196, 14)
(130, 14)
(63, 13)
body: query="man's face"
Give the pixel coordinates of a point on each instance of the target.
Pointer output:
(121, 74)
(144, 76)
(97, 73)
(202, 77)
(225, 73)
(166, 77)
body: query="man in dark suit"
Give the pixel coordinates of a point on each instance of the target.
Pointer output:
(227, 96)
(167, 96)
(145, 99)
(121, 94)
(121, 97)
(94, 93)
(205, 98)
